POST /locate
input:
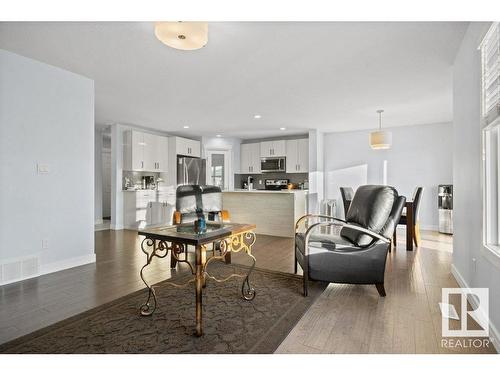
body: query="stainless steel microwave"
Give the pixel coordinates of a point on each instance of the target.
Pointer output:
(272, 165)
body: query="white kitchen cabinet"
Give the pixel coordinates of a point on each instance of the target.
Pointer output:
(162, 154)
(250, 158)
(187, 147)
(150, 150)
(297, 156)
(272, 148)
(143, 208)
(145, 152)
(133, 152)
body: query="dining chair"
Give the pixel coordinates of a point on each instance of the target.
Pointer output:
(417, 197)
(193, 200)
(347, 195)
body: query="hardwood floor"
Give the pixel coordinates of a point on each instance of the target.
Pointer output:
(345, 319)
(354, 319)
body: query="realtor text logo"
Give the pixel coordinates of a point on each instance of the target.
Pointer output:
(474, 321)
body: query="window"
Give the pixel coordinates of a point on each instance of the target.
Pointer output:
(490, 62)
(491, 143)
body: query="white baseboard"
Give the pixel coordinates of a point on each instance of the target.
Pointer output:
(45, 269)
(116, 226)
(429, 227)
(67, 263)
(98, 221)
(494, 334)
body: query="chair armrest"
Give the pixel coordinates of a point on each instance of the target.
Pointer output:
(368, 232)
(308, 216)
(330, 223)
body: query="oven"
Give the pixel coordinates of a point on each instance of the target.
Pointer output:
(272, 165)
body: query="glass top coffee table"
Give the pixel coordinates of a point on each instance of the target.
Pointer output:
(229, 237)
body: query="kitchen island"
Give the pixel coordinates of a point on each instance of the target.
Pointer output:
(273, 211)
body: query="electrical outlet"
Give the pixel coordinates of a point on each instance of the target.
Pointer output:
(45, 243)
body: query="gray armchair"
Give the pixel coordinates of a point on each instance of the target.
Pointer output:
(358, 252)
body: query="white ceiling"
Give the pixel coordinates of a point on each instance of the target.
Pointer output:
(329, 76)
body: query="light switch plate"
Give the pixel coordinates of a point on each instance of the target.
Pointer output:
(43, 168)
(45, 243)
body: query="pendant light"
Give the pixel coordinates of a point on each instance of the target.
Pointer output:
(380, 139)
(185, 36)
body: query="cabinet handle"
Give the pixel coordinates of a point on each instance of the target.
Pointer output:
(142, 164)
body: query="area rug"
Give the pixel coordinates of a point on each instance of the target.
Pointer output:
(231, 324)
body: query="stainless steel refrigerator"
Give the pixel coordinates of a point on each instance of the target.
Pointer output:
(191, 171)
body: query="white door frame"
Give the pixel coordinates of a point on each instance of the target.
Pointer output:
(228, 162)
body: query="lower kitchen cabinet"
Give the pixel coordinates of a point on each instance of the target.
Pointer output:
(143, 208)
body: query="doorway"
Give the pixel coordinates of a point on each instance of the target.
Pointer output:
(219, 168)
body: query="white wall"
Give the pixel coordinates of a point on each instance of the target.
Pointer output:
(98, 176)
(46, 117)
(467, 242)
(316, 171)
(420, 156)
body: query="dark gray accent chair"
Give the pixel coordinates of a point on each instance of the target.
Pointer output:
(347, 194)
(357, 254)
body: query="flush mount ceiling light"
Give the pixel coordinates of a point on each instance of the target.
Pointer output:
(380, 139)
(218, 135)
(185, 36)
(282, 128)
(186, 127)
(257, 116)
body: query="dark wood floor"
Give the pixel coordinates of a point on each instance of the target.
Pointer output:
(345, 319)
(36, 303)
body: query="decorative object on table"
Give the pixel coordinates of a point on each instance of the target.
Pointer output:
(359, 253)
(200, 224)
(235, 325)
(380, 139)
(181, 35)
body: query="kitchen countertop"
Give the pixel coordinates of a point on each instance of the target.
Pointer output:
(284, 191)
(148, 191)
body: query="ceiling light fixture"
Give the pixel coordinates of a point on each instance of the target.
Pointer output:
(257, 116)
(185, 36)
(380, 139)
(186, 127)
(282, 128)
(218, 135)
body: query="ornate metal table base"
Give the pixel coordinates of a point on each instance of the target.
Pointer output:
(158, 248)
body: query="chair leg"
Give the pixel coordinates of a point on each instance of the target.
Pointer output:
(395, 238)
(295, 262)
(416, 234)
(380, 289)
(305, 280)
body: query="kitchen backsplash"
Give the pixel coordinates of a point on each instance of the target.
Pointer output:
(135, 179)
(259, 179)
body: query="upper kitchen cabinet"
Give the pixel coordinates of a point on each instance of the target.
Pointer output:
(145, 152)
(272, 148)
(187, 147)
(297, 156)
(250, 158)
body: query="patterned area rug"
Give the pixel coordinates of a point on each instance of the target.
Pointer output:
(231, 324)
